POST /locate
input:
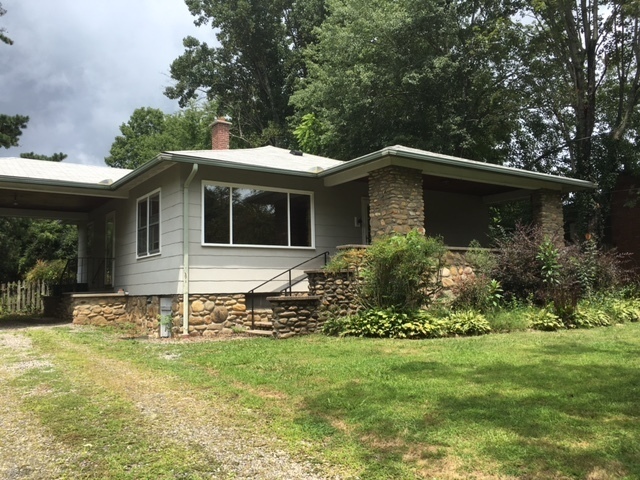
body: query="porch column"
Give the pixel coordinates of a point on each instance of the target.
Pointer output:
(396, 203)
(81, 273)
(547, 214)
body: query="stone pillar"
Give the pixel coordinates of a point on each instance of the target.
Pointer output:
(396, 202)
(547, 214)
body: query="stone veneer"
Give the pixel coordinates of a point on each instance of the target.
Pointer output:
(547, 214)
(396, 201)
(295, 315)
(210, 315)
(337, 291)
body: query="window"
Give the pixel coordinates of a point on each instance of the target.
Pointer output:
(149, 225)
(244, 215)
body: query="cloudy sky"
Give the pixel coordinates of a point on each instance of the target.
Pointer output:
(78, 69)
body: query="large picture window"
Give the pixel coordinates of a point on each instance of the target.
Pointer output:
(149, 225)
(243, 215)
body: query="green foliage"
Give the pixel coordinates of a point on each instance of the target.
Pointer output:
(252, 73)
(56, 157)
(392, 323)
(402, 271)
(549, 265)
(11, 127)
(590, 316)
(467, 322)
(508, 319)
(149, 131)
(479, 293)
(482, 260)
(345, 259)
(543, 319)
(440, 60)
(49, 271)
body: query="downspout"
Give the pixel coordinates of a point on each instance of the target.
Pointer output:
(185, 250)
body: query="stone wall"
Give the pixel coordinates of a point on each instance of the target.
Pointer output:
(337, 291)
(297, 315)
(209, 315)
(395, 200)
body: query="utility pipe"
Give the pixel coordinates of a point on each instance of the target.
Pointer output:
(185, 250)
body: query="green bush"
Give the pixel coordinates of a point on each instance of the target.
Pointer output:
(543, 319)
(402, 271)
(479, 293)
(49, 271)
(467, 322)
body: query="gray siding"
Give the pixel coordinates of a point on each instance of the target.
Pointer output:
(229, 269)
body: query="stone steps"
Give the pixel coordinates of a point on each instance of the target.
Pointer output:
(263, 326)
(260, 333)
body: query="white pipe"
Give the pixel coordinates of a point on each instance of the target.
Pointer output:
(185, 250)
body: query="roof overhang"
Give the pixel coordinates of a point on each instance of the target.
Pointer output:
(451, 167)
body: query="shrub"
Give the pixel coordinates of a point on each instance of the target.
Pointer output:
(467, 322)
(479, 293)
(402, 271)
(543, 319)
(49, 271)
(482, 260)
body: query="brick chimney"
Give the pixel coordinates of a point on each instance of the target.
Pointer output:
(220, 134)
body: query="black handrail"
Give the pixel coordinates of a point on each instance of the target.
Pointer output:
(289, 285)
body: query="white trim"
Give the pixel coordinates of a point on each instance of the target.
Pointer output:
(138, 200)
(310, 194)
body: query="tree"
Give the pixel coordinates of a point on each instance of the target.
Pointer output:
(56, 157)
(427, 74)
(583, 84)
(150, 131)
(11, 126)
(252, 74)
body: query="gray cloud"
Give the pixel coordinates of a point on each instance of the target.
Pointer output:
(79, 69)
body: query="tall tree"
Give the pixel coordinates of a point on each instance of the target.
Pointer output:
(430, 74)
(583, 84)
(252, 74)
(11, 126)
(150, 131)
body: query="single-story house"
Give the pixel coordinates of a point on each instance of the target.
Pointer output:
(200, 229)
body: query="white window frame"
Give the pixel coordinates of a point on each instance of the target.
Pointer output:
(288, 191)
(146, 199)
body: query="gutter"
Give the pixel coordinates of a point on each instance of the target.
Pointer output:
(185, 249)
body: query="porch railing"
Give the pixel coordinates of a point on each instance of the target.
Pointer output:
(82, 274)
(288, 285)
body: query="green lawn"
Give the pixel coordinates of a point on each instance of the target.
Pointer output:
(524, 405)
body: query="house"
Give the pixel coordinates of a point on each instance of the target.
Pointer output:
(625, 211)
(190, 233)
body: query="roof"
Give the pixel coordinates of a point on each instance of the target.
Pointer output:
(439, 165)
(25, 168)
(115, 182)
(262, 158)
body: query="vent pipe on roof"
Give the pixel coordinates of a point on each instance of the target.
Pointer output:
(220, 134)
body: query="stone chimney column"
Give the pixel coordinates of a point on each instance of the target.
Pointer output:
(547, 214)
(220, 134)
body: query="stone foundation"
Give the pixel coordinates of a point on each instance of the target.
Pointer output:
(209, 315)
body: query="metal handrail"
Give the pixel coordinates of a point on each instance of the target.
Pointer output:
(289, 285)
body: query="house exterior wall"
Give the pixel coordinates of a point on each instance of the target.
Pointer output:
(230, 269)
(457, 218)
(156, 274)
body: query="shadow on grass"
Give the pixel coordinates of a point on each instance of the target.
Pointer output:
(542, 419)
(15, 322)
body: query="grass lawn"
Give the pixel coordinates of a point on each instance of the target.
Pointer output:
(523, 405)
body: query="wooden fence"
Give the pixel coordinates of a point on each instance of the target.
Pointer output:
(22, 297)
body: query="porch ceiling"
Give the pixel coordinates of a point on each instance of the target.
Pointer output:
(63, 206)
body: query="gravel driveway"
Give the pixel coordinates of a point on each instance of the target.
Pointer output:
(28, 451)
